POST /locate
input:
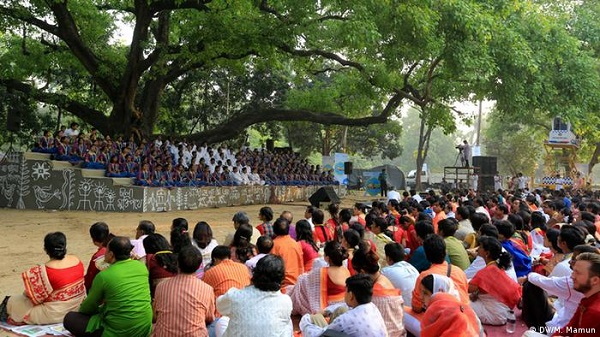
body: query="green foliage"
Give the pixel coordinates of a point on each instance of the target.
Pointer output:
(517, 146)
(211, 70)
(442, 152)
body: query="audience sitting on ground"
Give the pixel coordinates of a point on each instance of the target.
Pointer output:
(492, 292)
(241, 248)
(264, 245)
(401, 273)
(238, 219)
(310, 249)
(435, 251)
(203, 240)
(119, 302)
(446, 314)
(143, 229)
(385, 296)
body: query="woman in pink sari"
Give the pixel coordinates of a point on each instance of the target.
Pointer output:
(51, 289)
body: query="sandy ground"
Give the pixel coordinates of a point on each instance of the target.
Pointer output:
(22, 231)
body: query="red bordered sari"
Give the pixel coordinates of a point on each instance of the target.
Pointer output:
(41, 303)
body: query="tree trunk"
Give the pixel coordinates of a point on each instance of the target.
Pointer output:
(344, 141)
(423, 148)
(594, 159)
(326, 150)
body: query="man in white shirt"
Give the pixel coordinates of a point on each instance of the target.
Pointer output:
(521, 181)
(393, 194)
(245, 176)
(144, 228)
(308, 216)
(497, 182)
(73, 131)
(235, 176)
(416, 197)
(211, 165)
(478, 204)
(401, 273)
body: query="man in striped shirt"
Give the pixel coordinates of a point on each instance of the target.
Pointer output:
(184, 305)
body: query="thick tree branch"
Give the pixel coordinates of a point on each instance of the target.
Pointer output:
(69, 33)
(95, 117)
(322, 53)
(23, 14)
(179, 67)
(239, 122)
(430, 77)
(264, 6)
(112, 7)
(158, 6)
(595, 156)
(332, 17)
(409, 72)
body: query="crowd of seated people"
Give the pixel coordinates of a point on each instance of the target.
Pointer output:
(179, 164)
(252, 285)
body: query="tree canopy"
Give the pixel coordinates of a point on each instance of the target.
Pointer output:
(213, 68)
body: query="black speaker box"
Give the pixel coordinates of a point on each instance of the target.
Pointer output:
(270, 145)
(348, 167)
(324, 194)
(486, 184)
(487, 165)
(13, 120)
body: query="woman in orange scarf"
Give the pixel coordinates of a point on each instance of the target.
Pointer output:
(493, 293)
(446, 315)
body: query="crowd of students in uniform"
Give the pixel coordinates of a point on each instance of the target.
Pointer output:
(434, 265)
(179, 163)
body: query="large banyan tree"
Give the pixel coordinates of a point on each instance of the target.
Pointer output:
(217, 67)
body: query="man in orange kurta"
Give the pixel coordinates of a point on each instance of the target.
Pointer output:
(289, 250)
(438, 210)
(435, 250)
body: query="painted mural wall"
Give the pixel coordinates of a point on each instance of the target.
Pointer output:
(36, 184)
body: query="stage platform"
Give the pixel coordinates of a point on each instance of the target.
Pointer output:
(33, 181)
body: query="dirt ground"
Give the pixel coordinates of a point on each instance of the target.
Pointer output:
(22, 231)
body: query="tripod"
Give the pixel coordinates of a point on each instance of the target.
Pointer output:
(459, 156)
